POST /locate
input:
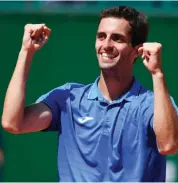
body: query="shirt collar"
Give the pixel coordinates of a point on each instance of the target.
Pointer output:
(94, 90)
(133, 92)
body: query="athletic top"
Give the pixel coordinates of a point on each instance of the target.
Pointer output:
(101, 141)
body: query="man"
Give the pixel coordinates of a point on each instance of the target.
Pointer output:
(113, 129)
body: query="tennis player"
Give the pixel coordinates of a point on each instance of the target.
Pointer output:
(113, 129)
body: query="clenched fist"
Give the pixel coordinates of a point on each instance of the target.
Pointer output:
(35, 36)
(151, 55)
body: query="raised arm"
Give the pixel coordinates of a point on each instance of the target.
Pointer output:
(165, 120)
(17, 118)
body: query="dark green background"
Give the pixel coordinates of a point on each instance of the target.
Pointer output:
(69, 56)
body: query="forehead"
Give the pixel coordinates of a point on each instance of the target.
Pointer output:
(114, 25)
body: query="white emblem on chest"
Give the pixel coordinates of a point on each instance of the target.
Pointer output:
(84, 119)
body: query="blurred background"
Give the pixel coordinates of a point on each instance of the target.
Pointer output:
(69, 56)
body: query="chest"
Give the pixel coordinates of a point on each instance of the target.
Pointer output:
(92, 120)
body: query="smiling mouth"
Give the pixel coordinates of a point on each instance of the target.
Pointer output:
(107, 55)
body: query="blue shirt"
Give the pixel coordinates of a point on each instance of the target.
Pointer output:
(101, 141)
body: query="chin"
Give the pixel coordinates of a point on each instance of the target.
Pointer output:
(107, 65)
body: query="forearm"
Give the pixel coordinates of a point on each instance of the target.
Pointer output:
(13, 110)
(165, 117)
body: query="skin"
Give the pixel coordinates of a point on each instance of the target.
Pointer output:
(18, 118)
(116, 78)
(113, 38)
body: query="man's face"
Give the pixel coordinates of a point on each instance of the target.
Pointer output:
(113, 44)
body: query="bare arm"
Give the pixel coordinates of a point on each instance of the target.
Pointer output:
(165, 117)
(17, 118)
(165, 120)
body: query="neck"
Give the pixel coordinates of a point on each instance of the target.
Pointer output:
(113, 87)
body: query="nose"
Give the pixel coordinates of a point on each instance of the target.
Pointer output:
(107, 45)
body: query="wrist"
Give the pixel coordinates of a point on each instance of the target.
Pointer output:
(158, 74)
(27, 51)
(25, 56)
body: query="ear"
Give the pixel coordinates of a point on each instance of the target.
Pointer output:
(136, 53)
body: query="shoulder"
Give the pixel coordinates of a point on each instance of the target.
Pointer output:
(74, 87)
(145, 100)
(142, 99)
(145, 96)
(68, 88)
(61, 93)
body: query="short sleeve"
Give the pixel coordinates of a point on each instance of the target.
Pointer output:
(150, 112)
(174, 104)
(55, 99)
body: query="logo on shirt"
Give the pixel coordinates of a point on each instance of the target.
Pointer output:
(85, 119)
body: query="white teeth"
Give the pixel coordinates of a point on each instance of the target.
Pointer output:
(107, 55)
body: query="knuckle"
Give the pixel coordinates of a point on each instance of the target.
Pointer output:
(160, 45)
(27, 26)
(153, 46)
(36, 26)
(39, 25)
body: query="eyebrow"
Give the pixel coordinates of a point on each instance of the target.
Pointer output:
(118, 34)
(114, 34)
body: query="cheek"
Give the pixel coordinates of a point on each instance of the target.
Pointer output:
(124, 50)
(97, 46)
